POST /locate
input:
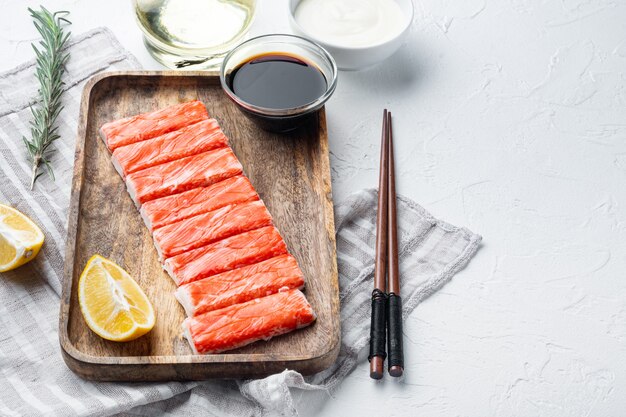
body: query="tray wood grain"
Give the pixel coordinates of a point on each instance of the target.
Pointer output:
(291, 173)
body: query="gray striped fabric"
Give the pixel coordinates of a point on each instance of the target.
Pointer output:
(34, 380)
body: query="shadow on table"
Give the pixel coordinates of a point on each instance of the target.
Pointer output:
(399, 73)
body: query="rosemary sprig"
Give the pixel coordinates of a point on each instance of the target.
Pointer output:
(50, 67)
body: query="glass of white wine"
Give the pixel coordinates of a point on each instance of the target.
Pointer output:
(193, 34)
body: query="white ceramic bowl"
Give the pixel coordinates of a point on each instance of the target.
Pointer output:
(355, 58)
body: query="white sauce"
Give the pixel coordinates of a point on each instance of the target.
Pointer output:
(350, 23)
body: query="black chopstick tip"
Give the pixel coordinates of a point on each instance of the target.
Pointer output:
(376, 375)
(396, 371)
(376, 367)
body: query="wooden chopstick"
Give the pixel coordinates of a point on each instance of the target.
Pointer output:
(379, 297)
(395, 361)
(386, 307)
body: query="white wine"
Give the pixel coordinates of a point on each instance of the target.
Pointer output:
(193, 33)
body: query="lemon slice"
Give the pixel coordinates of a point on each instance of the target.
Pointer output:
(20, 239)
(112, 303)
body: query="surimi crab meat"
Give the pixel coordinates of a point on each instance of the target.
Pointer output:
(150, 125)
(237, 281)
(230, 253)
(173, 208)
(182, 174)
(200, 230)
(241, 324)
(190, 140)
(240, 285)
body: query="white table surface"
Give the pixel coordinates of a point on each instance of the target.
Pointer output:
(510, 119)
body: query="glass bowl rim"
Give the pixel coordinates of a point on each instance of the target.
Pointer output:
(217, 50)
(311, 106)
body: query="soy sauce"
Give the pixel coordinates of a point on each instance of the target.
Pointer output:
(277, 81)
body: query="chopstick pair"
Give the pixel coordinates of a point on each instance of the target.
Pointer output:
(386, 302)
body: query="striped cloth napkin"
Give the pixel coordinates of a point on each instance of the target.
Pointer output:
(35, 380)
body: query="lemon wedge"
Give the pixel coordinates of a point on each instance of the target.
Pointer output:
(20, 239)
(112, 303)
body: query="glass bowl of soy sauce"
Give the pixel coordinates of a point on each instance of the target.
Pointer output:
(279, 81)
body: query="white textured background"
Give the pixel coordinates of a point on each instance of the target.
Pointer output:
(510, 119)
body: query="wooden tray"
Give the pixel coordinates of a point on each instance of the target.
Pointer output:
(290, 172)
